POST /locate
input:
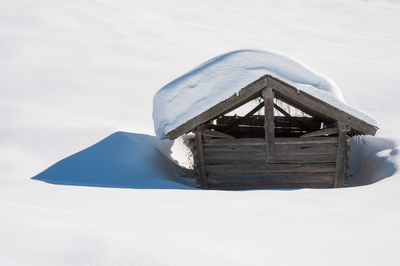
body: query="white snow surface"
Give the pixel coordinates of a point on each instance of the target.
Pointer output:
(223, 76)
(77, 76)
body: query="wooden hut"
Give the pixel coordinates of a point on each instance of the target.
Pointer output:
(275, 149)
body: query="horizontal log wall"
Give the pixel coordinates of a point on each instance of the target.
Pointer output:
(253, 126)
(261, 141)
(296, 162)
(293, 180)
(258, 120)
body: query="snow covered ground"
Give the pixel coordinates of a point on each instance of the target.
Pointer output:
(75, 72)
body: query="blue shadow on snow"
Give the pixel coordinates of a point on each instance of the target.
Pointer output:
(121, 160)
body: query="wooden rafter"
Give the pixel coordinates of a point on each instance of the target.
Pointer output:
(316, 107)
(246, 94)
(253, 111)
(291, 118)
(285, 92)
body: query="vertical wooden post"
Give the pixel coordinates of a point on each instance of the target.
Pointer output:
(268, 96)
(341, 154)
(200, 155)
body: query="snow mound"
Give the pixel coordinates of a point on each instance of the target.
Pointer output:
(224, 75)
(372, 159)
(123, 160)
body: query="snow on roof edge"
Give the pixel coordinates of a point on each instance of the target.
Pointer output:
(225, 75)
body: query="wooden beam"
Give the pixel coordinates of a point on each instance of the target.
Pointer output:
(228, 169)
(285, 180)
(298, 123)
(246, 94)
(321, 132)
(316, 107)
(241, 131)
(341, 155)
(278, 141)
(280, 121)
(239, 120)
(216, 134)
(258, 158)
(269, 127)
(201, 159)
(278, 150)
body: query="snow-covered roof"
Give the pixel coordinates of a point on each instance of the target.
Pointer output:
(223, 76)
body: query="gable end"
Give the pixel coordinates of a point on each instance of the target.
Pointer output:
(283, 91)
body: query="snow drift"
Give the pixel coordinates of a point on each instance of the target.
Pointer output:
(129, 160)
(372, 159)
(224, 75)
(123, 160)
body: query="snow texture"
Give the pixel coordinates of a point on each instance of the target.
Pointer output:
(122, 160)
(223, 76)
(73, 72)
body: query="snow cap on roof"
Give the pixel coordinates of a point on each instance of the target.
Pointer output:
(223, 76)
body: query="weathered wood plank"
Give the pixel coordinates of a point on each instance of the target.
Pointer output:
(238, 121)
(200, 157)
(246, 94)
(315, 140)
(270, 168)
(236, 186)
(347, 166)
(277, 149)
(341, 156)
(216, 134)
(237, 160)
(235, 156)
(257, 132)
(237, 142)
(296, 122)
(310, 104)
(278, 141)
(306, 151)
(258, 159)
(296, 146)
(279, 121)
(234, 149)
(235, 153)
(241, 131)
(320, 158)
(279, 157)
(321, 132)
(254, 179)
(308, 146)
(268, 96)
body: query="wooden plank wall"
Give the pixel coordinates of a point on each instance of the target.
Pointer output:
(200, 162)
(297, 162)
(341, 157)
(253, 126)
